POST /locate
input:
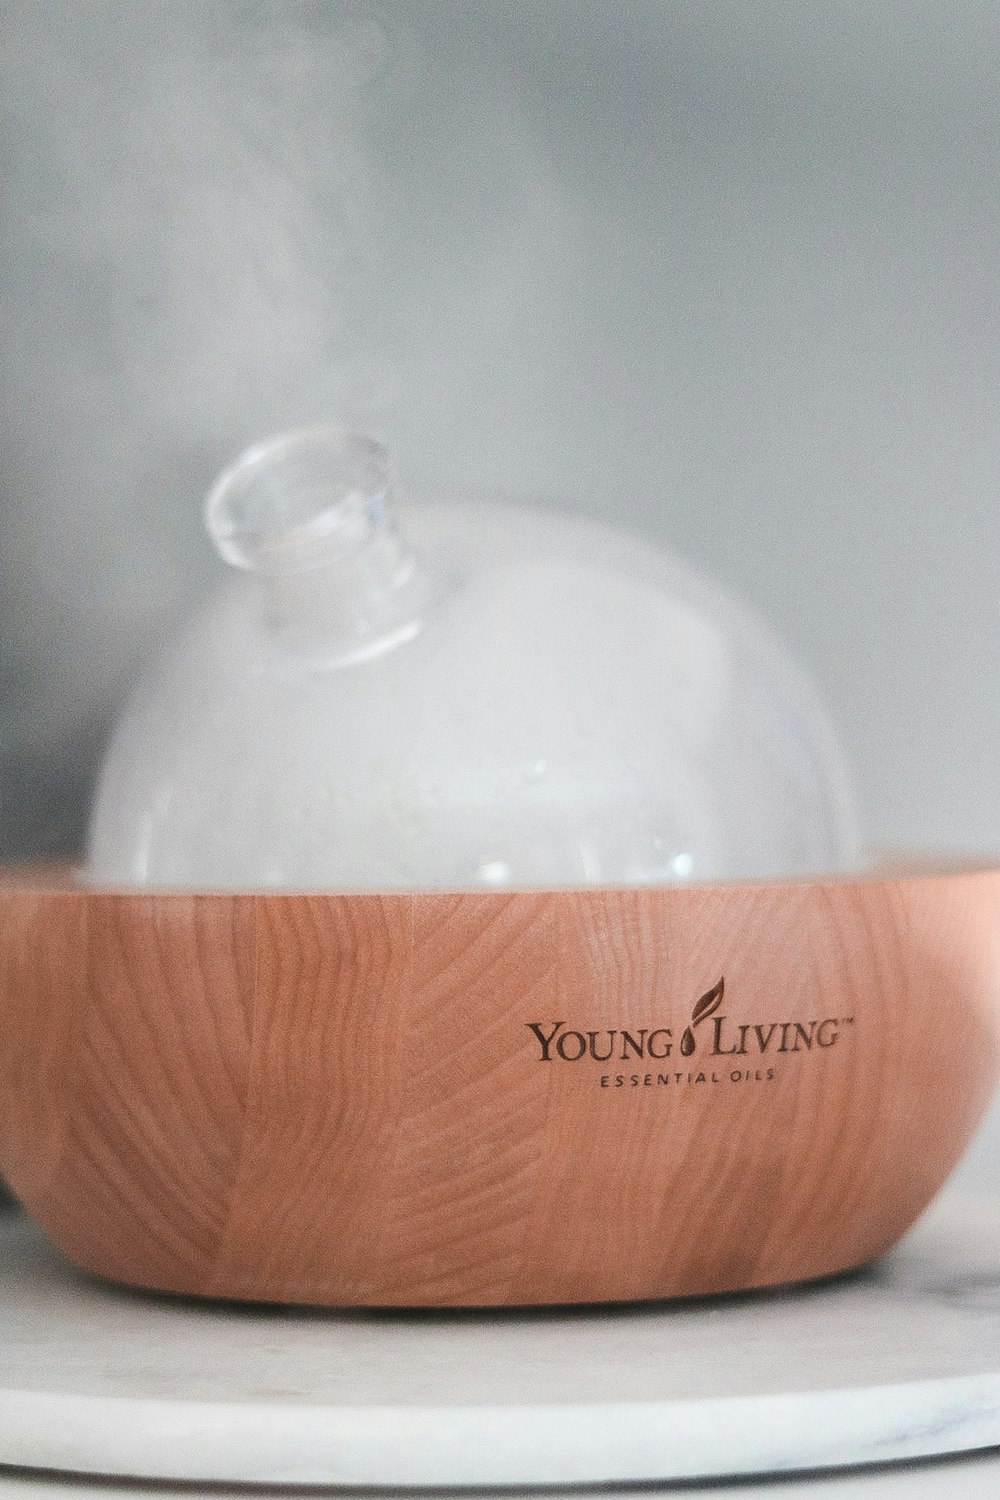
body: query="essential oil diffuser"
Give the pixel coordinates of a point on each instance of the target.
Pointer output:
(451, 936)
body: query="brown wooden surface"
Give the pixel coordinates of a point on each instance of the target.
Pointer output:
(338, 1099)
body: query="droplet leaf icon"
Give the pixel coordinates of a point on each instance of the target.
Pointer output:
(709, 1002)
(705, 1007)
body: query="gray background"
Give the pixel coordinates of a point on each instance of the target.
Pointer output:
(727, 274)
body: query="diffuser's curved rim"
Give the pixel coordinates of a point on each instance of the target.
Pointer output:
(67, 877)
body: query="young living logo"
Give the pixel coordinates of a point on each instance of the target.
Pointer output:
(759, 1041)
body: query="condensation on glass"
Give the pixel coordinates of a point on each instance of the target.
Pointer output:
(468, 694)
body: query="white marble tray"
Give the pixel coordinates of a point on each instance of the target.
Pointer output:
(903, 1361)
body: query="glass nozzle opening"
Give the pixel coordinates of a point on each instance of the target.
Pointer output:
(296, 501)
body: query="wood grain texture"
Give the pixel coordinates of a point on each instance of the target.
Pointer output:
(491, 1098)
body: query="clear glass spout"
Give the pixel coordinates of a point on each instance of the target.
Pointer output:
(310, 513)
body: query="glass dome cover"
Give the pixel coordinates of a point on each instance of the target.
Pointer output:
(486, 694)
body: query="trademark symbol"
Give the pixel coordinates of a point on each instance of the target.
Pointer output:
(847, 1021)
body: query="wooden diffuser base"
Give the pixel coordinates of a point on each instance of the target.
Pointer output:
(491, 1098)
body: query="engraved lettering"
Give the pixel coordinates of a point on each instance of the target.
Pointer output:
(827, 1032)
(718, 1049)
(637, 1045)
(592, 1045)
(764, 1035)
(651, 1043)
(578, 1041)
(804, 1035)
(545, 1042)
